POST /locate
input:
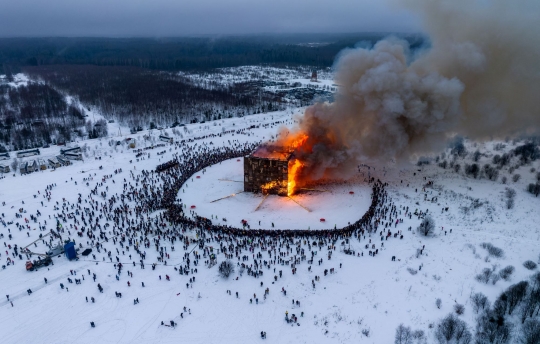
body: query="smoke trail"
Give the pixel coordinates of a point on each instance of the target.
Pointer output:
(480, 78)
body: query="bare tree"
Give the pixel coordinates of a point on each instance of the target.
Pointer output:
(427, 226)
(479, 302)
(226, 268)
(485, 276)
(491, 328)
(459, 309)
(531, 332)
(15, 164)
(403, 335)
(534, 189)
(510, 195)
(453, 330)
(515, 294)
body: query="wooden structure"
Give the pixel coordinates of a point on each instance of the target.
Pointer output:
(32, 166)
(71, 150)
(73, 156)
(4, 156)
(22, 167)
(266, 170)
(54, 163)
(42, 164)
(64, 161)
(4, 168)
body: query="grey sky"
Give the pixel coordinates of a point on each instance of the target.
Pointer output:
(191, 17)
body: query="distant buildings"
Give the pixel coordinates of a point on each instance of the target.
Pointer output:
(64, 161)
(75, 149)
(54, 162)
(166, 139)
(73, 156)
(31, 152)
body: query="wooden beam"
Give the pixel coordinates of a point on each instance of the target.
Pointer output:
(231, 195)
(309, 211)
(261, 202)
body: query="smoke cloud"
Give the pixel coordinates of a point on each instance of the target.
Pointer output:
(480, 78)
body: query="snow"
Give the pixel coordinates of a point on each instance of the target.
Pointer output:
(331, 202)
(367, 293)
(19, 79)
(228, 76)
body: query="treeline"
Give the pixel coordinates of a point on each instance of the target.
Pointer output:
(195, 53)
(142, 98)
(36, 114)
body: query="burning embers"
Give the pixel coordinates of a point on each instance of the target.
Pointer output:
(271, 170)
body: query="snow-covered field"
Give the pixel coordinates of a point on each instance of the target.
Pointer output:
(362, 302)
(333, 203)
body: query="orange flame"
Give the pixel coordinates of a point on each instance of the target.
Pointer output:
(269, 186)
(294, 142)
(297, 141)
(293, 170)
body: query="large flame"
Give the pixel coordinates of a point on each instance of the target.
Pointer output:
(293, 143)
(293, 174)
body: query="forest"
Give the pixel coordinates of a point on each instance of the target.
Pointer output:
(35, 115)
(185, 53)
(144, 83)
(139, 97)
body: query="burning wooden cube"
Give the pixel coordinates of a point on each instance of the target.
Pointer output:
(266, 170)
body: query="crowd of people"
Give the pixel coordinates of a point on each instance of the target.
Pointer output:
(120, 225)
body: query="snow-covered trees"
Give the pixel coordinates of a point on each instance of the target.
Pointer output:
(427, 226)
(480, 302)
(459, 309)
(510, 195)
(457, 148)
(530, 265)
(226, 268)
(506, 272)
(15, 164)
(531, 332)
(491, 328)
(472, 170)
(493, 251)
(453, 330)
(534, 189)
(490, 172)
(485, 275)
(403, 335)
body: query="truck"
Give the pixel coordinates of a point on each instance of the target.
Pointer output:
(34, 265)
